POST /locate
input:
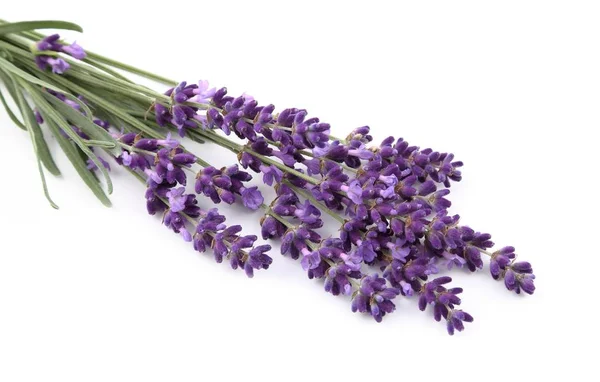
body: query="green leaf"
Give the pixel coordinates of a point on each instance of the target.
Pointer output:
(10, 113)
(94, 131)
(42, 148)
(106, 69)
(29, 122)
(102, 144)
(113, 84)
(78, 162)
(60, 120)
(112, 87)
(24, 26)
(109, 107)
(7, 65)
(57, 123)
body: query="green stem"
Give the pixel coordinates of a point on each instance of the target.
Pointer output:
(130, 69)
(101, 144)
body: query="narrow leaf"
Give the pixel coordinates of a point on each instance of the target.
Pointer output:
(10, 113)
(33, 79)
(51, 115)
(109, 107)
(28, 122)
(94, 131)
(42, 148)
(106, 69)
(78, 162)
(24, 26)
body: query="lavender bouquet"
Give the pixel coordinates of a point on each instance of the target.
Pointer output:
(390, 199)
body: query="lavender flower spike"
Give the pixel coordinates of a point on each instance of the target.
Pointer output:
(374, 297)
(517, 275)
(444, 302)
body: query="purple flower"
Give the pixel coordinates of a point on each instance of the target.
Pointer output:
(517, 275)
(409, 274)
(163, 115)
(223, 239)
(354, 191)
(295, 239)
(252, 198)
(271, 228)
(183, 92)
(257, 259)
(360, 151)
(137, 161)
(365, 251)
(238, 253)
(169, 163)
(177, 199)
(437, 200)
(222, 185)
(74, 50)
(308, 214)
(500, 260)
(455, 320)
(374, 297)
(310, 259)
(452, 260)
(49, 43)
(338, 279)
(38, 117)
(58, 65)
(92, 166)
(176, 222)
(308, 133)
(517, 281)
(168, 142)
(211, 223)
(271, 174)
(203, 93)
(399, 249)
(351, 231)
(443, 301)
(360, 134)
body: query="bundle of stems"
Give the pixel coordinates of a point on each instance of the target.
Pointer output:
(390, 199)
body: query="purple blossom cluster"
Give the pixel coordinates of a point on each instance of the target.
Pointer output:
(444, 302)
(163, 163)
(224, 184)
(180, 113)
(57, 64)
(392, 200)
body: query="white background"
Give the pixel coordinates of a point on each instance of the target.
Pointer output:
(512, 88)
